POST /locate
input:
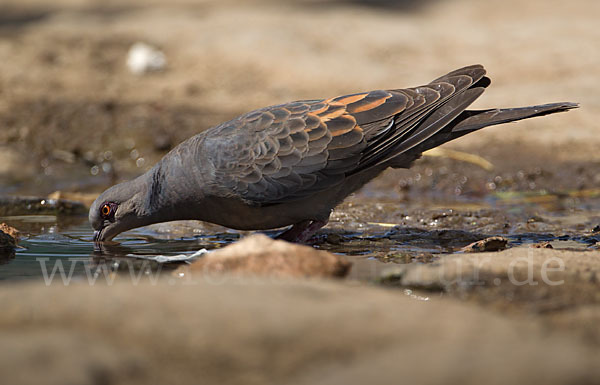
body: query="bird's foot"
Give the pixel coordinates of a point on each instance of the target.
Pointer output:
(302, 232)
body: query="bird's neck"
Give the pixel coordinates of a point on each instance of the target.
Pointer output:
(171, 194)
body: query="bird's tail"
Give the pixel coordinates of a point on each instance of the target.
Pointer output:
(471, 120)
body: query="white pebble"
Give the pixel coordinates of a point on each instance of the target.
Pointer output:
(143, 58)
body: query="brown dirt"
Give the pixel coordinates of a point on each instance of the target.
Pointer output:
(560, 287)
(271, 332)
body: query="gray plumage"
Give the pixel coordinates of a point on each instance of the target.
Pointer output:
(291, 164)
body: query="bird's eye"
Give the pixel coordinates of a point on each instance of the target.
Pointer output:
(106, 210)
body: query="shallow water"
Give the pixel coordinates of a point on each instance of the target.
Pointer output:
(371, 232)
(55, 246)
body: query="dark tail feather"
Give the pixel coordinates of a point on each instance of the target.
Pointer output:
(472, 120)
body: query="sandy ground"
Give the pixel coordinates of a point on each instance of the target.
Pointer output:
(271, 332)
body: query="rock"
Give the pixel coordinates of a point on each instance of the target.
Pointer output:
(523, 278)
(488, 244)
(260, 255)
(9, 237)
(542, 245)
(265, 332)
(14, 205)
(334, 239)
(10, 231)
(7, 242)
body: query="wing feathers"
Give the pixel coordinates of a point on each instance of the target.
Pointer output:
(297, 149)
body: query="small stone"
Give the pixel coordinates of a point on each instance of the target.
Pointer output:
(259, 255)
(542, 245)
(143, 58)
(488, 244)
(334, 239)
(534, 219)
(10, 231)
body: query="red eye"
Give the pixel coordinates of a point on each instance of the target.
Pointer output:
(106, 210)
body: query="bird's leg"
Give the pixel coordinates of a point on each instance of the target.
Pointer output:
(308, 233)
(301, 232)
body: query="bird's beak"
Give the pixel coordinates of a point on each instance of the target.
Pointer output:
(104, 235)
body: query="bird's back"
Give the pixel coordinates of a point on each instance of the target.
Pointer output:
(292, 151)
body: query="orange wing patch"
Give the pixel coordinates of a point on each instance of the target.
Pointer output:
(322, 107)
(349, 98)
(335, 110)
(371, 105)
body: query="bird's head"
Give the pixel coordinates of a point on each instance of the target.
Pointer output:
(116, 210)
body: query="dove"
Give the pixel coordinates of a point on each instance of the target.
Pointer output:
(290, 164)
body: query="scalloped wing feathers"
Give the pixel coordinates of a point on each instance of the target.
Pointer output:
(293, 150)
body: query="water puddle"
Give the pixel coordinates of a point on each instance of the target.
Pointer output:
(370, 232)
(62, 247)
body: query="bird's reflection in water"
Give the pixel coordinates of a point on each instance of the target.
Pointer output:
(113, 257)
(144, 253)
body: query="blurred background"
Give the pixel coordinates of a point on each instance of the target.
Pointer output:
(75, 114)
(93, 92)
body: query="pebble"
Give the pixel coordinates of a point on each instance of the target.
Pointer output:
(488, 244)
(542, 245)
(11, 231)
(143, 58)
